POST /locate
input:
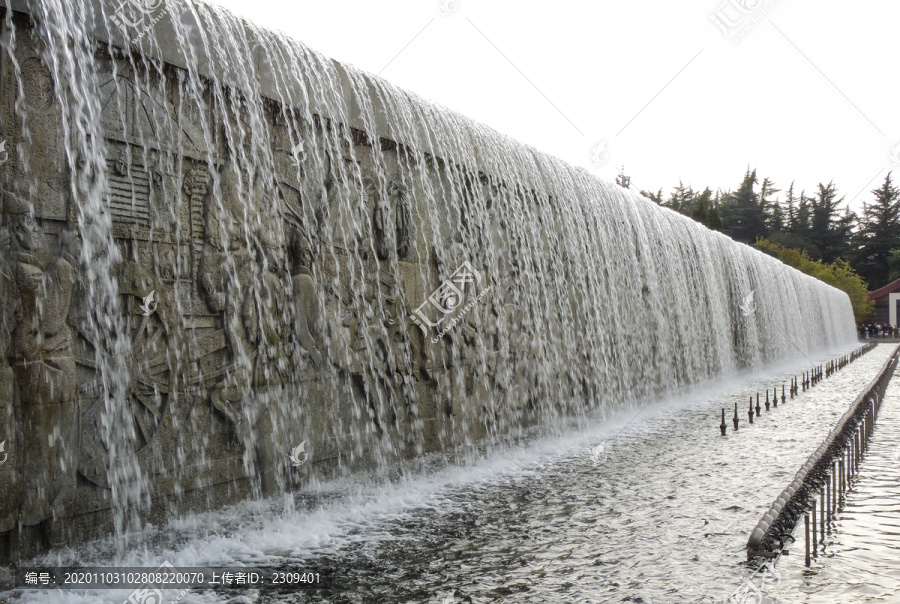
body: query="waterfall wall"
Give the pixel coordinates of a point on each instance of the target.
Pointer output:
(231, 265)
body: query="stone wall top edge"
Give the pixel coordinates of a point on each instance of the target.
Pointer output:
(166, 46)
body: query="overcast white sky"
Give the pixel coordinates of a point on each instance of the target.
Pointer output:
(810, 93)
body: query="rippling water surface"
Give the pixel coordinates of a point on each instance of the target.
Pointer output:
(860, 558)
(660, 514)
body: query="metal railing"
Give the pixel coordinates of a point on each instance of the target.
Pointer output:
(825, 473)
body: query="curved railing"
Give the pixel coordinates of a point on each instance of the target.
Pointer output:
(822, 469)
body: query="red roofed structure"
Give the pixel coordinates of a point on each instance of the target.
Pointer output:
(886, 300)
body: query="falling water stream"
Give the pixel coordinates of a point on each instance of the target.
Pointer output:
(661, 515)
(252, 146)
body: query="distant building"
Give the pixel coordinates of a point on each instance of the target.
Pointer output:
(886, 301)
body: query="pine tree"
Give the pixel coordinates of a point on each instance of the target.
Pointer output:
(705, 210)
(790, 213)
(879, 235)
(771, 209)
(657, 197)
(802, 226)
(743, 216)
(894, 266)
(681, 200)
(829, 231)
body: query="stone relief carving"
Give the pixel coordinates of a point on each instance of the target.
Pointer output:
(391, 220)
(9, 504)
(259, 330)
(154, 370)
(226, 269)
(400, 192)
(38, 86)
(222, 242)
(44, 364)
(304, 276)
(304, 299)
(381, 222)
(395, 369)
(139, 129)
(363, 230)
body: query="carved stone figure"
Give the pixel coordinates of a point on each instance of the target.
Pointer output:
(381, 221)
(44, 366)
(9, 503)
(391, 359)
(253, 304)
(391, 225)
(195, 188)
(401, 192)
(7, 314)
(246, 287)
(223, 239)
(154, 367)
(305, 300)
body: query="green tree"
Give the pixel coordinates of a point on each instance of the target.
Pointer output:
(879, 234)
(843, 277)
(803, 222)
(789, 223)
(790, 212)
(799, 235)
(774, 216)
(829, 231)
(681, 200)
(893, 266)
(743, 215)
(705, 210)
(657, 197)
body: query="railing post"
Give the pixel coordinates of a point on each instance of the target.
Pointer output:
(806, 523)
